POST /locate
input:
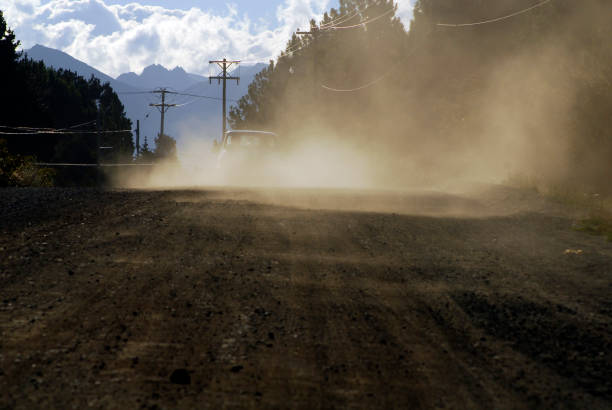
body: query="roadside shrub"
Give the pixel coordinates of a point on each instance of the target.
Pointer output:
(18, 170)
(29, 174)
(600, 225)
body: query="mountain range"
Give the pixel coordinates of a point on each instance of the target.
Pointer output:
(194, 117)
(155, 75)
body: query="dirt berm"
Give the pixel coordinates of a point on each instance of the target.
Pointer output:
(300, 299)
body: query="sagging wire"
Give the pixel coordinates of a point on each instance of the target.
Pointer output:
(173, 92)
(343, 19)
(489, 21)
(364, 22)
(134, 92)
(385, 75)
(64, 164)
(335, 20)
(80, 125)
(60, 132)
(24, 128)
(323, 27)
(47, 128)
(202, 96)
(495, 20)
(187, 103)
(355, 13)
(379, 79)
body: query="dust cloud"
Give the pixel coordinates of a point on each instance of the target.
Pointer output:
(309, 164)
(502, 134)
(513, 116)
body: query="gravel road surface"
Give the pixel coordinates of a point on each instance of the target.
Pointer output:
(227, 298)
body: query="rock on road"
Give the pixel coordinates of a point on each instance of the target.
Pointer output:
(300, 299)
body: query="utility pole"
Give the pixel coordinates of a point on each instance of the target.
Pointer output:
(163, 107)
(224, 65)
(137, 139)
(98, 142)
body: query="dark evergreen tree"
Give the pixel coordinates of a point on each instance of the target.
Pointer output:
(34, 95)
(146, 155)
(165, 148)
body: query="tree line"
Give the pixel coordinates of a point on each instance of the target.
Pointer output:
(529, 94)
(39, 97)
(36, 98)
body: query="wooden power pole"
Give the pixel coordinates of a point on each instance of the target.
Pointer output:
(163, 107)
(224, 65)
(137, 139)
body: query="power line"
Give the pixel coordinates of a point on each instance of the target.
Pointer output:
(316, 30)
(24, 128)
(60, 132)
(64, 164)
(171, 92)
(80, 125)
(371, 83)
(355, 13)
(186, 103)
(47, 128)
(343, 19)
(134, 92)
(201, 96)
(323, 27)
(495, 20)
(336, 20)
(333, 21)
(362, 23)
(379, 79)
(298, 47)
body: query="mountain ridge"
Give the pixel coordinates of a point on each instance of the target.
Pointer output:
(61, 60)
(196, 116)
(156, 75)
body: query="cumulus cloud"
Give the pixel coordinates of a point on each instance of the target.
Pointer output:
(122, 38)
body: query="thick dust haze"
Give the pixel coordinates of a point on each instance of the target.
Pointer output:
(504, 134)
(450, 116)
(317, 162)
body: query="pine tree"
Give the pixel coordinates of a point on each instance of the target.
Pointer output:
(146, 155)
(8, 44)
(165, 148)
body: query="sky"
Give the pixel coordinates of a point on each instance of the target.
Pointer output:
(118, 36)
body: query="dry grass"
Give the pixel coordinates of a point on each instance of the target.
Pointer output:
(596, 209)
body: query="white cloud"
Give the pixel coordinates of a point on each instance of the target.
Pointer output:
(404, 11)
(117, 39)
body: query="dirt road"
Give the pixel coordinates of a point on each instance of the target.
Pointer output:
(300, 299)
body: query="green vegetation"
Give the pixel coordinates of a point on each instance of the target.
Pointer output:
(596, 207)
(600, 224)
(36, 96)
(165, 148)
(17, 170)
(598, 220)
